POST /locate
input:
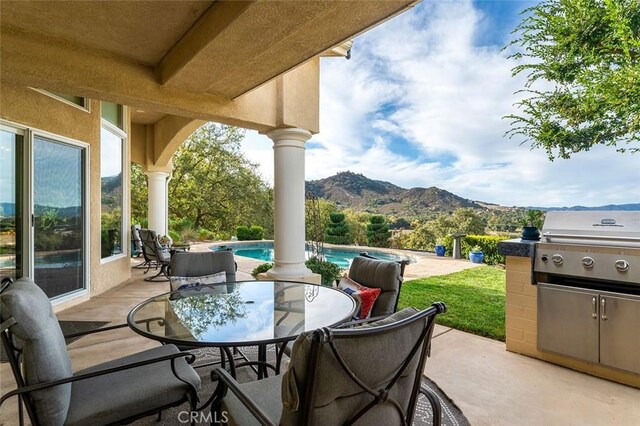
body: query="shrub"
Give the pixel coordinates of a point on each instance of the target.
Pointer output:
(487, 243)
(337, 231)
(260, 269)
(206, 235)
(180, 225)
(174, 236)
(329, 271)
(245, 233)
(186, 235)
(378, 233)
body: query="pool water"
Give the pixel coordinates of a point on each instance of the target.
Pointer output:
(341, 257)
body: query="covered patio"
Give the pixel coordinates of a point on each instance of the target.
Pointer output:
(490, 385)
(87, 88)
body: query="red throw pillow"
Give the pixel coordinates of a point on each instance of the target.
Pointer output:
(365, 297)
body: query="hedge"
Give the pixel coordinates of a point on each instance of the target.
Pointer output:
(488, 243)
(245, 233)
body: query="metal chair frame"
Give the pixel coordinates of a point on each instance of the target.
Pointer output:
(23, 390)
(327, 336)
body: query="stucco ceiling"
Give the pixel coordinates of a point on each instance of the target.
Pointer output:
(219, 48)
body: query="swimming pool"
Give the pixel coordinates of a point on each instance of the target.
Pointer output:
(340, 256)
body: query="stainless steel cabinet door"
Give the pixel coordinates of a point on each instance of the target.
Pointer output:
(620, 332)
(568, 321)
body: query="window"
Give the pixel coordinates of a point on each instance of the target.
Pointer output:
(112, 140)
(76, 101)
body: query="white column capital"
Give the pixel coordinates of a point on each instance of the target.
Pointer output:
(290, 136)
(158, 175)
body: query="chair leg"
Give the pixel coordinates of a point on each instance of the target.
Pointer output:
(159, 419)
(436, 408)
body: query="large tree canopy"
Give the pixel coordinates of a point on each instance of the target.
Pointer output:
(213, 185)
(582, 60)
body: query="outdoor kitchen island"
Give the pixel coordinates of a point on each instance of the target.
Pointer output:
(569, 302)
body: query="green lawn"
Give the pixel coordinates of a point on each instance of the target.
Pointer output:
(474, 297)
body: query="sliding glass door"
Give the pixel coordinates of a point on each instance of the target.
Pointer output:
(43, 210)
(58, 216)
(11, 204)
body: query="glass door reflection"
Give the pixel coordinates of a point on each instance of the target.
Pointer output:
(58, 221)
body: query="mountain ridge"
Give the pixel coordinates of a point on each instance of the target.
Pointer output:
(356, 191)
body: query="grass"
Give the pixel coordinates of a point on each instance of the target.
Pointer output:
(474, 297)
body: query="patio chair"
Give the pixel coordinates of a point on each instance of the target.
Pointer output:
(205, 263)
(155, 255)
(117, 391)
(136, 244)
(383, 274)
(334, 379)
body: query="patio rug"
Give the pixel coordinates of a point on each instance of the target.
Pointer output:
(68, 327)
(451, 414)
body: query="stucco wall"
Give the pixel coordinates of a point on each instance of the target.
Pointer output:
(32, 109)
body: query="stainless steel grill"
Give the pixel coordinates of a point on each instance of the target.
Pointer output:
(587, 267)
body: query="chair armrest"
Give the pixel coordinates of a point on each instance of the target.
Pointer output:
(358, 322)
(106, 371)
(229, 382)
(97, 330)
(436, 408)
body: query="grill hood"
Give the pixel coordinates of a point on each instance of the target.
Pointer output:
(604, 228)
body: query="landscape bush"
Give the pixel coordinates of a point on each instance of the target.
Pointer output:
(245, 233)
(488, 244)
(378, 233)
(329, 271)
(337, 231)
(260, 269)
(206, 235)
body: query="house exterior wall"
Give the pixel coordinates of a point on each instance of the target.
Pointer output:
(33, 109)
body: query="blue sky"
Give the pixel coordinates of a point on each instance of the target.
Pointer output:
(423, 106)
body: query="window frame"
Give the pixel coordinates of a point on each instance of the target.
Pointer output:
(123, 136)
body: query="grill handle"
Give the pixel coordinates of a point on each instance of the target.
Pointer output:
(549, 236)
(594, 305)
(603, 302)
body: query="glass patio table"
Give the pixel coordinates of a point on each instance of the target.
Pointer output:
(244, 313)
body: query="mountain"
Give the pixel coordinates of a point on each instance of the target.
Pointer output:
(352, 190)
(608, 207)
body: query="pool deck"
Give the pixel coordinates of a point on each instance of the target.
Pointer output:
(425, 265)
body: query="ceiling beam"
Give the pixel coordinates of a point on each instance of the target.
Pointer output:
(31, 61)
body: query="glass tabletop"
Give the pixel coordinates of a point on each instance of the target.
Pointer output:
(240, 313)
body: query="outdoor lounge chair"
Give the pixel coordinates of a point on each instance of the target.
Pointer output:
(155, 255)
(334, 379)
(117, 391)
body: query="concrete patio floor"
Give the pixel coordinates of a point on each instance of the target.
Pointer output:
(490, 385)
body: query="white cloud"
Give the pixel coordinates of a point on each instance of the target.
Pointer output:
(421, 77)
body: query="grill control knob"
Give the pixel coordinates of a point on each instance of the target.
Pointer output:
(587, 262)
(557, 259)
(622, 265)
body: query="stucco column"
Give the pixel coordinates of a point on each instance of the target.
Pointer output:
(288, 194)
(158, 214)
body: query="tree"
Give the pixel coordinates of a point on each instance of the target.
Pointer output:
(215, 186)
(581, 58)
(357, 222)
(337, 231)
(139, 196)
(378, 233)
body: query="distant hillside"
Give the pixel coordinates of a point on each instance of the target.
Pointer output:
(608, 207)
(351, 190)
